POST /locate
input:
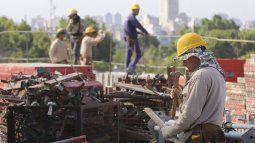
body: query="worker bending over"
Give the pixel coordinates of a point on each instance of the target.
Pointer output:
(204, 94)
(58, 48)
(75, 28)
(91, 39)
(130, 26)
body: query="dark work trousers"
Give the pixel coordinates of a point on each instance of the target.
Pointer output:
(76, 46)
(129, 52)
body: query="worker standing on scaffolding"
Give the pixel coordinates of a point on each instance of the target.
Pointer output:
(75, 28)
(204, 94)
(58, 48)
(91, 39)
(130, 26)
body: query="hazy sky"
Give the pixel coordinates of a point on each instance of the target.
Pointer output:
(18, 9)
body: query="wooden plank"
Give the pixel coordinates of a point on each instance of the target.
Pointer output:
(137, 88)
(159, 122)
(154, 117)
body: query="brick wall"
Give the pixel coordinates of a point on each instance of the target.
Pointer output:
(241, 95)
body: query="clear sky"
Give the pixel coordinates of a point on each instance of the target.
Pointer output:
(18, 9)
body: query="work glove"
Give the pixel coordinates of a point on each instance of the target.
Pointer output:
(101, 32)
(166, 132)
(71, 21)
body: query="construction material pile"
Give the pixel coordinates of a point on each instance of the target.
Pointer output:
(42, 88)
(135, 92)
(46, 107)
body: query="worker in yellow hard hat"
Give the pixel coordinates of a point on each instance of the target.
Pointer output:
(58, 48)
(203, 96)
(91, 39)
(75, 29)
(72, 12)
(130, 30)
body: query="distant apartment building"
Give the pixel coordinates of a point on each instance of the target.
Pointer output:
(151, 23)
(117, 19)
(39, 23)
(108, 20)
(117, 28)
(169, 11)
(53, 23)
(117, 33)
(248, 25)
(183, 18)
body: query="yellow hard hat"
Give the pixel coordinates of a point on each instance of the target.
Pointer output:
(89, 29)
(189, 41)
(72, 11)
(135, 6)
(61, 30)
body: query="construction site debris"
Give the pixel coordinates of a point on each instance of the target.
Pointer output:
(33, 105)
(46, 107)
(134, 93)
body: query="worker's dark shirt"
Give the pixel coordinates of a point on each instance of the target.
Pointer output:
(130, 26)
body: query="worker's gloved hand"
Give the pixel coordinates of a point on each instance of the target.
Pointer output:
(101, 32)
(71, 21)
(166, 132)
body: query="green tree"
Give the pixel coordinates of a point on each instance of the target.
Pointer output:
(63, 22)
(89, 21)
(119, 55)
(17, 40)
(225, 29)
(216, 23)
(40, 45)
(14, 44)
(246, 48)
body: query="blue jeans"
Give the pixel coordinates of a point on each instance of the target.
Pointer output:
(76, 45)
(129, 52)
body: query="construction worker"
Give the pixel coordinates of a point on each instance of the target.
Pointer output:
(204, 94)
(130, 26)
(58, 48)
(91, 39)
(75, 28)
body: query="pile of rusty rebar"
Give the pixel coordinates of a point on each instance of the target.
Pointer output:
(46, 106)
(134, 93)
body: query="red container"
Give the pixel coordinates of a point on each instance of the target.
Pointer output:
(233, 68)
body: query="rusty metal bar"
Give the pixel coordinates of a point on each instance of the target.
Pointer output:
(79, 139)
(135, 96)
(63, 78)
(11, 97)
